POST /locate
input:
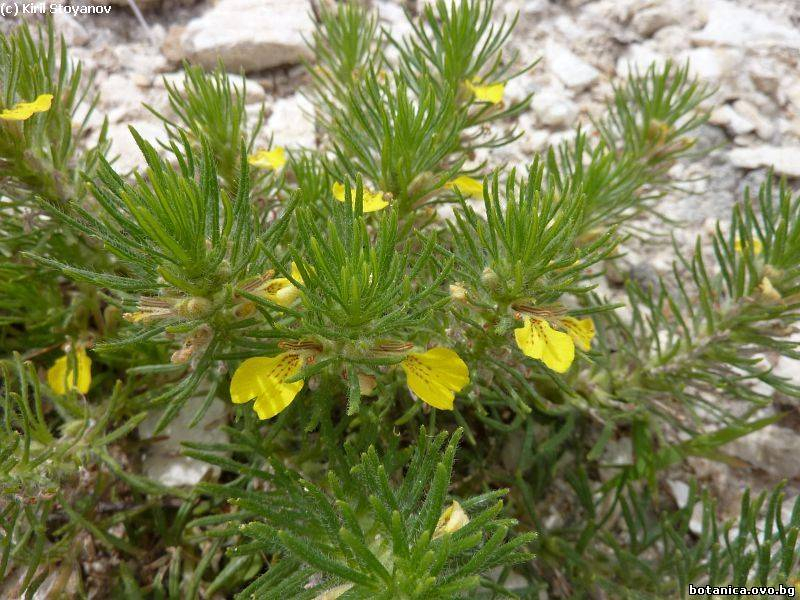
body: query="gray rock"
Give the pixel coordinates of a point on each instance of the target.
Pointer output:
(393, 16)
(763, 127)
(121, 97)
(245, 34)
(713, 64)
(732, 25)
(648, 20)
(785, 159)
(765, 77)
(554, 109)
(789, 367)
(520, 88)
(254, 91)
(637, 59)
(74, 32)
(680, 492)
(732, 121)
(774, 449)
(572, 70)
(124, 147)
(163, 460)
(141, 58)
(291, 122)
(792, 95)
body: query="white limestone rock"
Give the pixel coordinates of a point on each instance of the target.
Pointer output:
(121, 98)
(764, 127)
(70, 27)
(554, 108)
(573, 71)
(711, 64)
(123, 146)
(730, 24)
(638, 58)
(254, 91)
(773, 449)
(291, 122)
(245, 34)
(731, 120)
(650, 19)
(163, 459)
(680, 492)
(785, 159)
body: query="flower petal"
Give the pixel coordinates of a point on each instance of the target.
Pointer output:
(492, 93)
(529, 339)
(537, 339)
(296, 273)
(25, 110)
(274, 159)
(263, 379)
(281, 291)
(468, 186)
(338, 191)
(374, 201)
(559, 350)
(580, 330)
(740, 245)
(62, 376)
(371, 201)
(435, 376)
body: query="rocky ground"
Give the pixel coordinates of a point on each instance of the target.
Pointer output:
(747, 49)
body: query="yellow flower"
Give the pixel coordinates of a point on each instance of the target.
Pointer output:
(492, 93)
(281, 291)
(739, 246)
(372, 200)
(580, 330)
(25, 110)
(435, 376)
(453, 518)
(468, 186)
(273, 159)
(264, 380)
(65, 375)
(537, 339)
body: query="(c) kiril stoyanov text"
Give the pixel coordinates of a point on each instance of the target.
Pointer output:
(13, 9)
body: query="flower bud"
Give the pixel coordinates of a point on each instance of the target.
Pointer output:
(367, 384)
(286, 295)
(772, 272)
(768, 292)
(244, 310)
(224, 271)
(196, 342)
(657, 131)
(453, 518)
(490, 279)
(458, 293)
(193, 308)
